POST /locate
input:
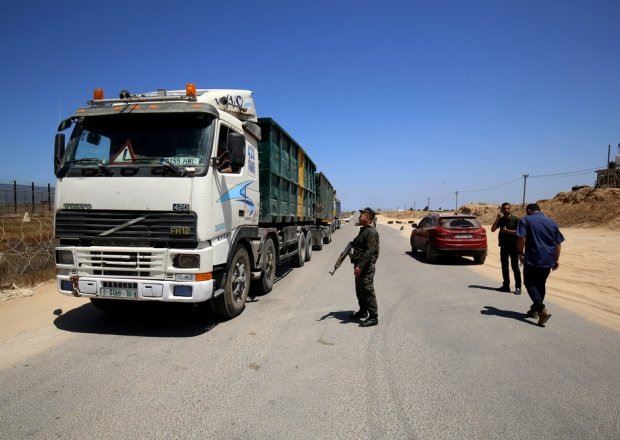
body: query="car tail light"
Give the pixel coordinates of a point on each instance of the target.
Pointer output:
(440, 233)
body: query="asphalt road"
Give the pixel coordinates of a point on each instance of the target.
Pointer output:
(450, 359)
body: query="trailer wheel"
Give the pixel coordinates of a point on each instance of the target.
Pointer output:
(232, 301)
(319, 245)
(265, 283)
(300, 258)
(308, 245)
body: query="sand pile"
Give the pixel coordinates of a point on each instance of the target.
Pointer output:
(583, 208)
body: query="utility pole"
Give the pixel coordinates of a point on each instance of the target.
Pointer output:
(456, 207)
(428, 204)
(525, 176)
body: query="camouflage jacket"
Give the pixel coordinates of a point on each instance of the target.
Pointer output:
(365, 247)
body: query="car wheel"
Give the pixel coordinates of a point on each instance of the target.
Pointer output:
(480, 259)
(429, 253)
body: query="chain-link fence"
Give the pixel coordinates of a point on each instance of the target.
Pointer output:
(17, 199)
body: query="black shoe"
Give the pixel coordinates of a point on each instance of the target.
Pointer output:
(518, 291)
(531, 313)
(369, 322)
(360, 314)
(503, 289)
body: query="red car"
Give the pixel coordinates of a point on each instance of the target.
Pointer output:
(449, 234)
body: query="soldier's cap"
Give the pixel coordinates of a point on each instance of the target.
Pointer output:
(369, 211)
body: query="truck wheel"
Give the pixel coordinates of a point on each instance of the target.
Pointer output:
(300, 258)
(319, 245)
(328, 237)
(308, 246)
(265, 283)
(232, 301)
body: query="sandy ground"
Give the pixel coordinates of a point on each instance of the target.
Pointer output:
(587, 281)
(27, 323)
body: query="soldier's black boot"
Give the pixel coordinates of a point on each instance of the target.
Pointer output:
(360, 314)
(372, 320)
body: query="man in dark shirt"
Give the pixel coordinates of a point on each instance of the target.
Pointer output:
(507, 224)
(365, 254)
(539, 244)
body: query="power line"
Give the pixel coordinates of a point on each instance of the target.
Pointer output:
(492, 187)
(566, 174)
(539, 176)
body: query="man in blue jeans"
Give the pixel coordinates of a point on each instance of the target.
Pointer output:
(539, 242)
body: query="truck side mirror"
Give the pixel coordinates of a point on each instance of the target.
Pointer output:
(236, 149)
(65, 124)
(59, 150)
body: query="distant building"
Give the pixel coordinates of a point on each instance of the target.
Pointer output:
(609, 177)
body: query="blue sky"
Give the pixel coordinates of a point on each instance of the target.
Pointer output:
(397, 102)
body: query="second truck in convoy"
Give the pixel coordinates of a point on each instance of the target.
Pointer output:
(182, 196)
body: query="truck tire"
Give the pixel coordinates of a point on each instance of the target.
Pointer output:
(308, 245)
(265, 283)
(319, 245)
(300, 258)
(232, 301)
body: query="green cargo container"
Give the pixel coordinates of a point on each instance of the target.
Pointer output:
(286, 173)
(325, 205)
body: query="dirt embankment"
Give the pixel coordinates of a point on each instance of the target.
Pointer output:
(584, 208)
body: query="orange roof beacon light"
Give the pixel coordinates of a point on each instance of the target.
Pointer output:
(190, 90)
(98, 94)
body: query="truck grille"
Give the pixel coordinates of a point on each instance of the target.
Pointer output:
(110, 263)
(126, 228)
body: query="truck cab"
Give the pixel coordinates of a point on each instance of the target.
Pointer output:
(145, 208)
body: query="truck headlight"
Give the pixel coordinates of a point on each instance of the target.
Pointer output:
(187, 261)
(64, 257)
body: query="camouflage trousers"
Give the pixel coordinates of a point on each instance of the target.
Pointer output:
(365, 290)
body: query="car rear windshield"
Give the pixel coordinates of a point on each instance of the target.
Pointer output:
(460, 223)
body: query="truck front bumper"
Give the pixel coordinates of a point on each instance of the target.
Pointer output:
(136, 290)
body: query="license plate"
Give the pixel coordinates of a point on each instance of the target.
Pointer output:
(462, 235)
(118, 293)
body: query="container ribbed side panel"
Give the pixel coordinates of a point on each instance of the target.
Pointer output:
(286, 173)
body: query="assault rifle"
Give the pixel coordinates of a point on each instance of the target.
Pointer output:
(343, 255)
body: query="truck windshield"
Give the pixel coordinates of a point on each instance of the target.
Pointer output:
(180, 139)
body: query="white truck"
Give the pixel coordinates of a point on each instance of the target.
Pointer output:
(179, 196)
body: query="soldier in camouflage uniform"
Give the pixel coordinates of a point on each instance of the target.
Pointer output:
(365, 254)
